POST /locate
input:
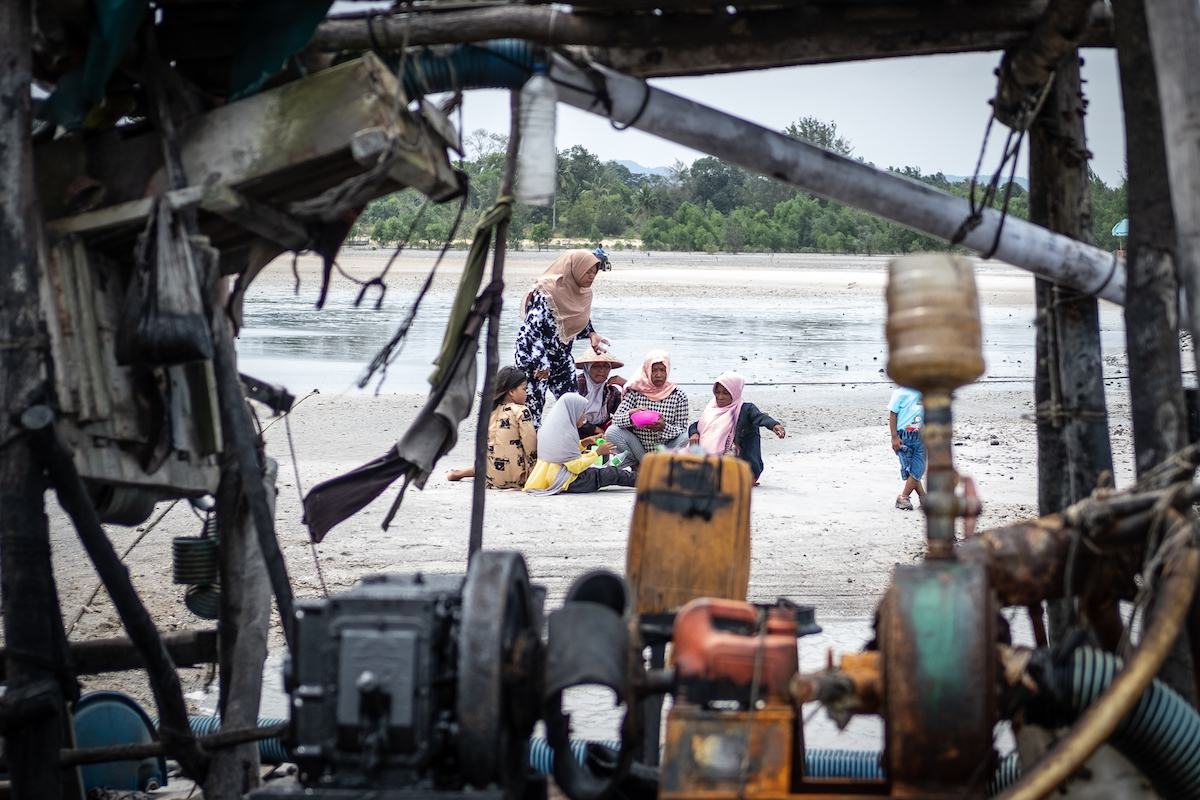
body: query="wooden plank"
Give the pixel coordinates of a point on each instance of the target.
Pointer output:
(123, 215)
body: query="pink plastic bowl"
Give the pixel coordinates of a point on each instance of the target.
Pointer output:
(644, 419)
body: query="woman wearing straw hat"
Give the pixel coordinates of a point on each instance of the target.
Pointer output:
(557, 311)
(600, 388)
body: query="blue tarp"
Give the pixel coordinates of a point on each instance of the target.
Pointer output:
(117, 22)
(268, 34)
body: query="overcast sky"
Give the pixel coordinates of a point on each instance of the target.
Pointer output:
(928, 112)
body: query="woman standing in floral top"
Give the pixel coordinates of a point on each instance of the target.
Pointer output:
(512, 439)
(650, 391)
(557, 311)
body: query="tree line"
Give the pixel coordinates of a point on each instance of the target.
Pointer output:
(705, 206)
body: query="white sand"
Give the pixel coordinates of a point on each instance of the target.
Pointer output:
(824, 527)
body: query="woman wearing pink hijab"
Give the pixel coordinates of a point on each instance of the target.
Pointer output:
(650, 390)
(730, 425)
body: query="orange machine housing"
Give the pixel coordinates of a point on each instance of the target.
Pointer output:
(716, 645)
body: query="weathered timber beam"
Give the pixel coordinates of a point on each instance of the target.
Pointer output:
(121, 215)
(118, 653)
(648, 45)
(1026, 68)
(255, 217)
(737, 55)
(244, 146)
(635, 103)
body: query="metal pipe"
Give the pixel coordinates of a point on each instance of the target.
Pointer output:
(634, 103)
(940, 503)
(1101, 719)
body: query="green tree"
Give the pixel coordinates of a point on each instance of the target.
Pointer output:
(541, 234)
(822, 134)
(735, 235)
(645, 202)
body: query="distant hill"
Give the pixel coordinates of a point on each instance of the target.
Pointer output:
(1019, 181)
(638, 169)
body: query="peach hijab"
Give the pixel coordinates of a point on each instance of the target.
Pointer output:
(570, 303)
(642, 383)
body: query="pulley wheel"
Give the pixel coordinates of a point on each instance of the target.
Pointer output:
(497, 671)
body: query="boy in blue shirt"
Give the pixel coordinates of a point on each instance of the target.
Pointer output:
(905, 419)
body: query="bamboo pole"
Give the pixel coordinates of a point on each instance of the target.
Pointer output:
(33, 631)
(507, 179)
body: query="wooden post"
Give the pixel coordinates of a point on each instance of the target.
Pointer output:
(1052, 467)
(245, 625)
(1069, 323)
(507, 179)
(1174, 37)
(1152, 292)
(33, 630)
(1174, 27)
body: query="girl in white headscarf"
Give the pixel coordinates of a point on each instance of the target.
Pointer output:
(564, 464)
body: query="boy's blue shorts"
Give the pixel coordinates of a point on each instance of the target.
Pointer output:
(911, 455)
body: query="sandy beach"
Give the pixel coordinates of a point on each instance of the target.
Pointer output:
(805, 330)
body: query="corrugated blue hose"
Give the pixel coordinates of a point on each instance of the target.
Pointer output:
(1161, 735)
(270, 751)
(861, 765)
(541, 757)
(500, 64)
(1006, 774)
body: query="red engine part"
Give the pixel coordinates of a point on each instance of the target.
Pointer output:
(715, 645)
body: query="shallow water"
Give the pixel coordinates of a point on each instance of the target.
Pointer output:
(769, 341)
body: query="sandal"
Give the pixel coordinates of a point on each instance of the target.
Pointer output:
(903, 503)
